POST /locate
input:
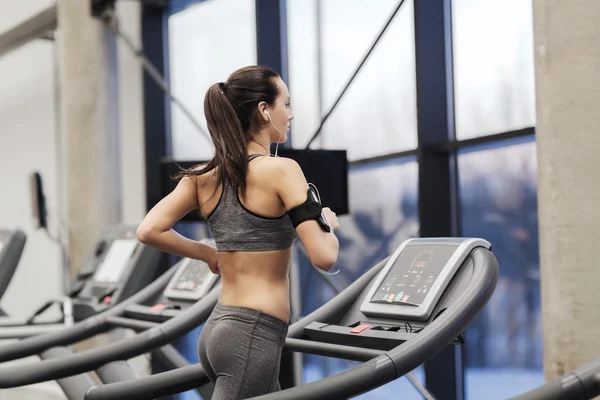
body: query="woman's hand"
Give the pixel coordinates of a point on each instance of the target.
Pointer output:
(331, 218)
(213, 264)
(208, 254)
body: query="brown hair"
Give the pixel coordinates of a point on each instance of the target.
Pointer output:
(231, 114)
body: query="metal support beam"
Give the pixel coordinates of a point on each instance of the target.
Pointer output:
(33, 28)
(444, 375)
(155, 110)
(156, 116)
(271, 35)
(271, 39)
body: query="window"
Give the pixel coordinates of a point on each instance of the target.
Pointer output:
(327, 40)
(377, 225)
(498, 200)
(207, 42)
(304, 69)
(493, 66)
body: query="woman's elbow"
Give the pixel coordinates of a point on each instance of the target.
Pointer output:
(326, 262)
(145, 234)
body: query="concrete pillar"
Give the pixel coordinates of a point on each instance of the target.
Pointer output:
(89, 119)
(131, 115)
(567, 58)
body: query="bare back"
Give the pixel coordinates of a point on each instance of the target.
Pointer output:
(257, 280)
(254, 233)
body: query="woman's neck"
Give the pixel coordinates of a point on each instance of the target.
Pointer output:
(259, 146)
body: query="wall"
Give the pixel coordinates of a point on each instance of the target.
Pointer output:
(567, 60)
(29, 141)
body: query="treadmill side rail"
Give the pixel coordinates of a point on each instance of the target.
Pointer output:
(151, 387)
(582, 383)
(27, 374)
(81, 330)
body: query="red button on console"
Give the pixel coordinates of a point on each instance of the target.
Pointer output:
(107, 300)
(360, 328)
(157, 308)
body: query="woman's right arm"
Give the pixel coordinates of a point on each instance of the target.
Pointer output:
(291, 186)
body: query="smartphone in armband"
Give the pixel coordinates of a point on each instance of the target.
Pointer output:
(313, 194)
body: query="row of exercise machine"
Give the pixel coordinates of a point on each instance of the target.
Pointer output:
(396, 316)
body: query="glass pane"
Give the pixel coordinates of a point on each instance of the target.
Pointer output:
(493, 66)
(498, 199)
(376, 226)
(378, 112)
(303, 69)
(204, 50)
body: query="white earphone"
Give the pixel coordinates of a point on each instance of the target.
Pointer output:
(279, 138)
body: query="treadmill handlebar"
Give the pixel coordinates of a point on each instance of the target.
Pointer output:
(153, 386)
(332, 350)
(85, 361)
(582, 383)
(81, 330)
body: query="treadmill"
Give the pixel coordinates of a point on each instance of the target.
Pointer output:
(117, 267)
(12, 243)
(394, 318)
(398, 315)
(173, 305)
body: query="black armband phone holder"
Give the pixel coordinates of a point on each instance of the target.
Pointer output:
(310, 209)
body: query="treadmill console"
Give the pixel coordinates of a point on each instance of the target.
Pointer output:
(114, 263)
(415, 276)
(191, 282)
(116, 267)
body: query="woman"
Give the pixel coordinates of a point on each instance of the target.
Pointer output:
(255, 206)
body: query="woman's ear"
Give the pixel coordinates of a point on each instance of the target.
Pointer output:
(262, 111)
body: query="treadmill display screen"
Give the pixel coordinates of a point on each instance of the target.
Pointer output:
(192, 277)
(412, 275)
(115, 261)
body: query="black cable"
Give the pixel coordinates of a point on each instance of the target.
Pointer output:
(355, 74)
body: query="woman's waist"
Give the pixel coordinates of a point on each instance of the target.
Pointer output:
(256, 262)
(270, 298)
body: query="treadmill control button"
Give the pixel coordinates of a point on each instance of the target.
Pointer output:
(157, 308)
(360, 328)
(107, 300)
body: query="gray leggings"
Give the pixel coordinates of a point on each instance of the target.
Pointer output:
(240, 350)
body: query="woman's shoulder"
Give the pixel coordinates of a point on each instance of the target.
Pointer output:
(200, 177)
(277, 168)
(278, 164)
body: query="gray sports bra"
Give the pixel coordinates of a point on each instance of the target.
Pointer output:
(235, 228)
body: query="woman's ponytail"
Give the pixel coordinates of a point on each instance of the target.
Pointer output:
(230, 109)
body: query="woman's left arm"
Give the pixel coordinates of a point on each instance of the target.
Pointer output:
(156, 229)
